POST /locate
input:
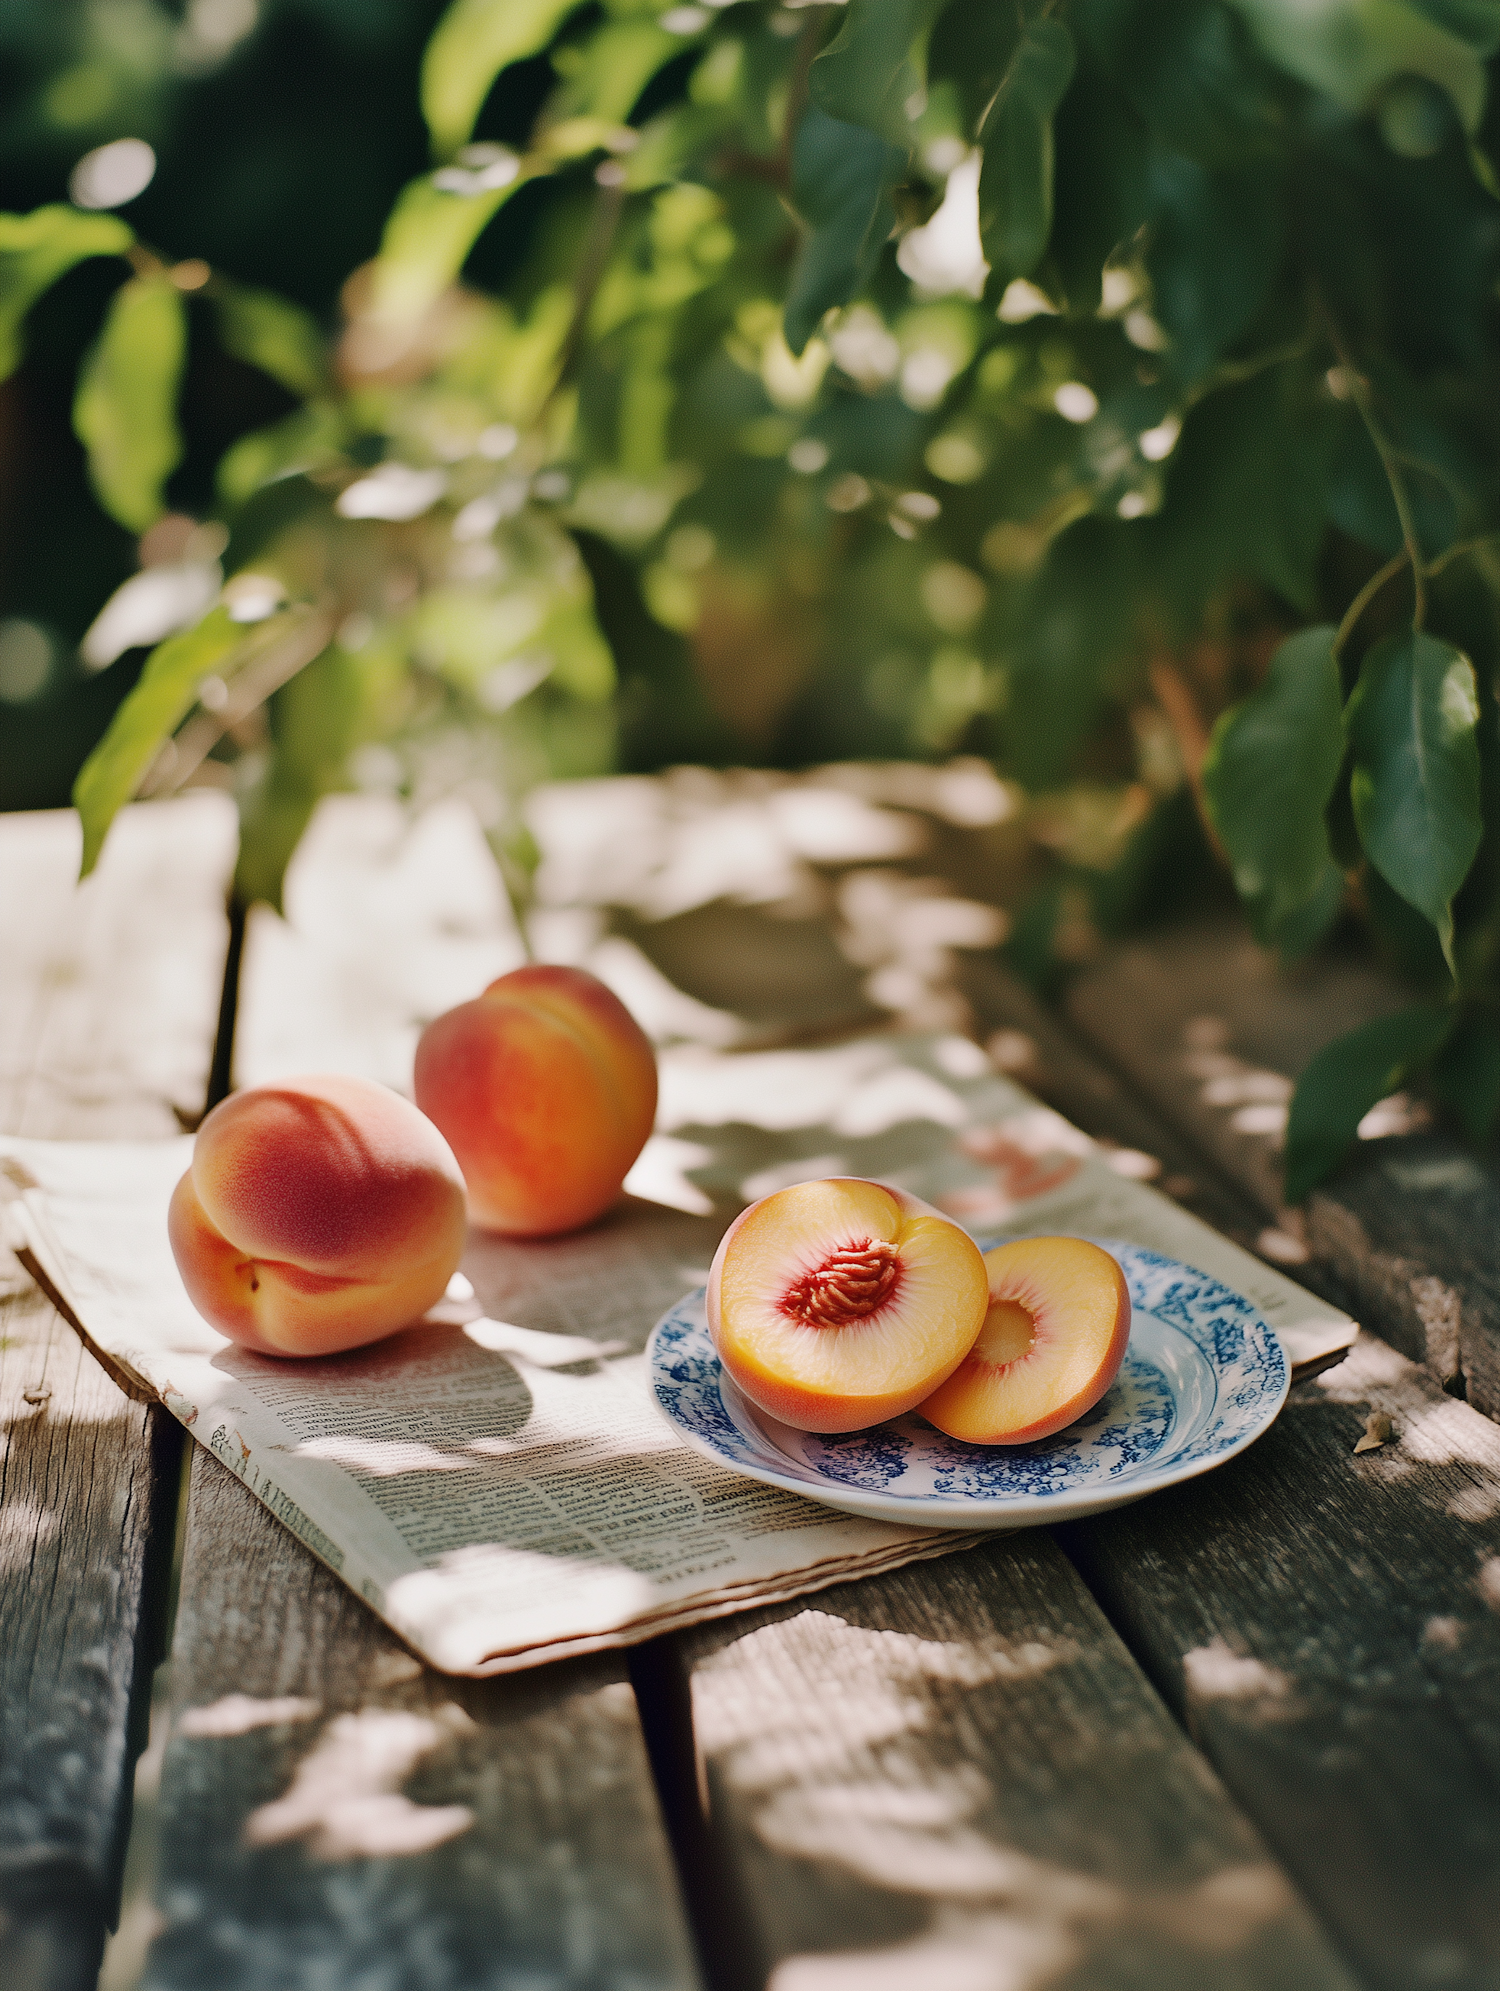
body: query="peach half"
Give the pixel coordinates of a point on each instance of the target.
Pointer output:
(318, 1214)
(837, 1304)
(545, 1088)
(1051, 1344)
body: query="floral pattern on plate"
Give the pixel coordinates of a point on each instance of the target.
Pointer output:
(1203, 1376)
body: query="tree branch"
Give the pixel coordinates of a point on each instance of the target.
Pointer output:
(1365, 596)
(1359, 394)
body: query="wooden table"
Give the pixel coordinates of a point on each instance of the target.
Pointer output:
(1241, 1737)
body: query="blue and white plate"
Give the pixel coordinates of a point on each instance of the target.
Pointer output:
(1202, 1378)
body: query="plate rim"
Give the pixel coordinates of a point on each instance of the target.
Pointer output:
(985, 1511)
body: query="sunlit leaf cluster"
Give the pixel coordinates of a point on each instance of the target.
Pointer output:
(1104, 386)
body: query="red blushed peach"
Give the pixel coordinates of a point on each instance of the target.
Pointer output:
(318, 1214)
(1052, 1343)
(837, 1304)
(545, 1088)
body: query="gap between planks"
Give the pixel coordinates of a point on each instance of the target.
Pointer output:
(1212, 1032)
(326, 1799)
(1326, 1626)
(107, 1012)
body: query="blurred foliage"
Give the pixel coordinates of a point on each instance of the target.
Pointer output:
(1104, 386)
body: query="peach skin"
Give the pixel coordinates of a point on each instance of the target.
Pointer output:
(837, 1304)
(545, 1088)
(1052, 1342)
(318, 1214)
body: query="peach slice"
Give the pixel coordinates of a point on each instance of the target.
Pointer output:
(1051, 1344)
(837, 1304)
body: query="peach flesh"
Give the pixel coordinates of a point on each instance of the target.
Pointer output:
(837, 1304)
(1052, 1342)
(545, 1088)
(318, 1214)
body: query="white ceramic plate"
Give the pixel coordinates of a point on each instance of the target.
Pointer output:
(1202, 1378)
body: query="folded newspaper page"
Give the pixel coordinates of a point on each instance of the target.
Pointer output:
(496, 1481)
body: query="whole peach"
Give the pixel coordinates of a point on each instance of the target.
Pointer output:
(318, 1214)
(545, 1087)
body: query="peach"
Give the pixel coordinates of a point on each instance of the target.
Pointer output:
(318, 1214)
(545, 1088)
(1051, 1344)
(836, 1304)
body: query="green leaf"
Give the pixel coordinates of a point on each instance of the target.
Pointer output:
(874, 72)
(1074, 627)
(1246, 495)
(1213, 252)
(611, 70)
(333, 705)
(841, 175)
(274, 334)
(668, 143)
(1015, 183)
(162, 698)
(273, 815)
(38, 248)
(1101, 194)
(1476, 22)
(1404, 940)
(435, 223)
(1346, 1079)
(471, 44)
(1270, 772)
(1466, 1075)
(1350, 49)
(1306, 926)
(1412, 723)
(967, 54)
(1190, 71)
(125, 409)
(306, 439)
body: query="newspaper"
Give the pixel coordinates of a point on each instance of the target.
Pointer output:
(496, 1481)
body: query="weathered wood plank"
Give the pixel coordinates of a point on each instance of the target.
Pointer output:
(1039, 1049)
(1321, 1621)
(108, 1002)
(87, 1480)
(1328, 1627)
(388, 924)
(956, 1775)
(1212, 1033)
(335, 1812)
(110, 991)
(522, 1838)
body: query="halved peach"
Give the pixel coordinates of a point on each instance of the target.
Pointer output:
(836, 1304)
(1051, 1344)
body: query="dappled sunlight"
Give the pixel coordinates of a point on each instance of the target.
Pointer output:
(665, 1012)
(829, 1731)
(1216, 1672)
(1429, 1429)
(240, 1714)
(24, 1526)
(1257, 1100)
(889, 1819)
(1476, 1503)
(858, 1089)
(388, 923)
(542, 1349)
(1433, 1428)
(958, 1953)
(692, 837)
(345, 1800)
